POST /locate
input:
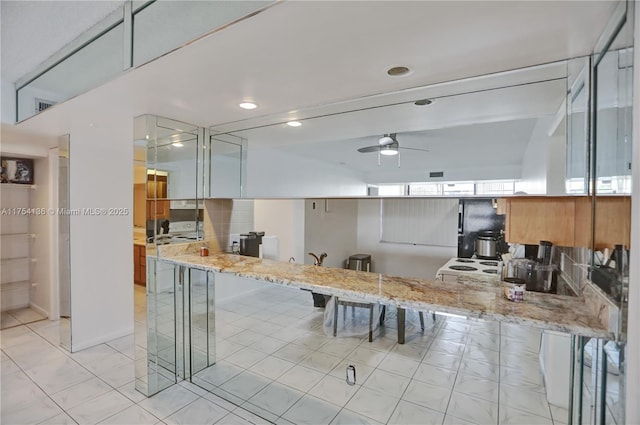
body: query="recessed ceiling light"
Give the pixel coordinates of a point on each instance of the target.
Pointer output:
(248, 105)
(177, 144)
(398, 71)
(423, 102)
(294, 123)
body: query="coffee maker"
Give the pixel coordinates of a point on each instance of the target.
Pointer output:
(250, 243)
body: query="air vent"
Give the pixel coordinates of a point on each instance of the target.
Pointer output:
(42, 104)
(436, 174)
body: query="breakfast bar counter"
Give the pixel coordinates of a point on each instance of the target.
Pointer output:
(475, 299)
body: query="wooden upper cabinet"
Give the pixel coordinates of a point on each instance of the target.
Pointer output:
(157, 206)
(156, 187)
(139, 205)
(157, 209)
(566, 221)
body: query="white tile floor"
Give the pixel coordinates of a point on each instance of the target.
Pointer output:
(21, 316)
(274, 358)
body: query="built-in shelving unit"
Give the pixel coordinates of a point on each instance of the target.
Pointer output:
(17, 186)
(16, 252)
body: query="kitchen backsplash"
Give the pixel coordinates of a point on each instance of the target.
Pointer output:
(229, 216)
(184, 215)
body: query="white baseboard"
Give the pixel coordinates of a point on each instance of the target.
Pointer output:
(79, 346)
(39, 309)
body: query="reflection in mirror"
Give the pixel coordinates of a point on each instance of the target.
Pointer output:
(226, 171)
(612, 163)
(506, 127)
(577, 178)
(613, 122)
(64, 249)
(601, 364)
(99, 61)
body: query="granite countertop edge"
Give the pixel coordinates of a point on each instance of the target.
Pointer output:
(480, 300)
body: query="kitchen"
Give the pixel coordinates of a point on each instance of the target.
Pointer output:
(286, 180)
(353, 224)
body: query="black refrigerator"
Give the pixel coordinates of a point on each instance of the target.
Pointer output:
(474, 216)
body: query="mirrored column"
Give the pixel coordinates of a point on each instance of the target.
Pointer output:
(64, 248)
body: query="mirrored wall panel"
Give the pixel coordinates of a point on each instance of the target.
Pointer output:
(91, 65)
(64, 247)
(507, 128)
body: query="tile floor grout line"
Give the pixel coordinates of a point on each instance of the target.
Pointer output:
(69, 356)
(313, 386)
(454, 381)
(38, 385)
(428, 347)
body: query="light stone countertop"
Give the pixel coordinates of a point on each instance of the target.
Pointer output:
(475, 299)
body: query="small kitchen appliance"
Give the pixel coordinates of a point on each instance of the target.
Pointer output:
(250, 243)
(487, 243)
(544, 252)
(360, 262)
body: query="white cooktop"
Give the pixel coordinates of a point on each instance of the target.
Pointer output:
(473, 267)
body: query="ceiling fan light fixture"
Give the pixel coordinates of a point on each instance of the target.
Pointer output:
(388, 151)
(385, 140)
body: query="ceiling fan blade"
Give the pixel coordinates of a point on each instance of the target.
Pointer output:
(392, 145)
(368, 149)
(414, 149)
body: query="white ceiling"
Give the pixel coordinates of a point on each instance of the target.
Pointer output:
(300, 54)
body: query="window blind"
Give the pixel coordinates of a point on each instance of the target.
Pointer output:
(420, 221)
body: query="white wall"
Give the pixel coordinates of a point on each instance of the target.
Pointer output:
(396, 259)
(283, 218)
(7, 89)
(19, 142)
(332, 230)
(273, 174)
(40, 225)
(101, 176)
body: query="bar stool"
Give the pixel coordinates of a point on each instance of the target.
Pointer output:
(433, 316)
(345, 302)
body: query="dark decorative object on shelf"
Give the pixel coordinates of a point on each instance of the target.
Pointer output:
(16, 170)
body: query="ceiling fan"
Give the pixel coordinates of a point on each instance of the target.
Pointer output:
(388, 145)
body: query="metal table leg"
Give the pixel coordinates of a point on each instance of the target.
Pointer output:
(401, 319)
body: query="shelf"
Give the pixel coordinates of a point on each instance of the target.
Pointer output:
(17, 186)
(18, 235)
(19, 283)
(6, 261)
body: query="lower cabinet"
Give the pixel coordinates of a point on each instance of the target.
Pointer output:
(140, 264)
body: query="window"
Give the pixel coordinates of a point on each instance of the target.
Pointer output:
(391, 190)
